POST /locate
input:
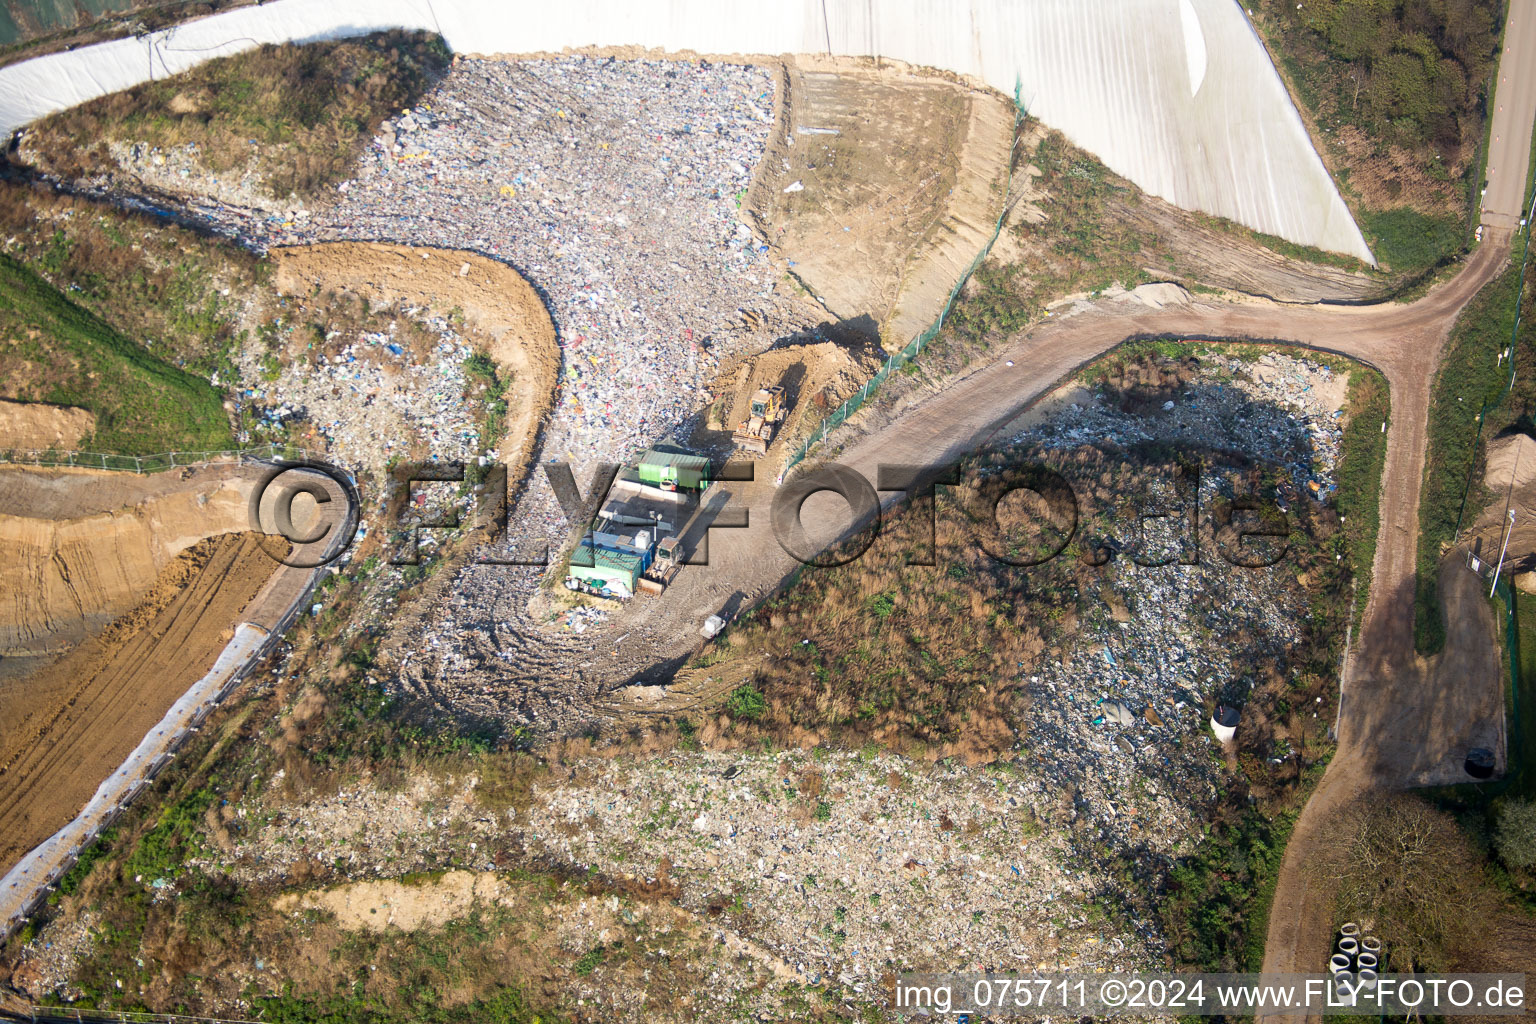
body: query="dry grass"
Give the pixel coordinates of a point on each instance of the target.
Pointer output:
(301, 114)
(929, 659)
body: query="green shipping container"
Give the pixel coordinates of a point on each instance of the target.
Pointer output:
(673, 469)
(612, 574)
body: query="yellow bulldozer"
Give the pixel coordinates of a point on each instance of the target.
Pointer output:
(756, 432)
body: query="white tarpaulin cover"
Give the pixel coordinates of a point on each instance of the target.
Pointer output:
(1179, 96)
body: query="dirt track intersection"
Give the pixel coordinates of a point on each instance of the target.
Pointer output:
(484, 645)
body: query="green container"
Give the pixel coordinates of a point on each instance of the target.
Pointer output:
(611, 574)
(673, 469)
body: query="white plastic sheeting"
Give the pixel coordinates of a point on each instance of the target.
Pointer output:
(1179, 96)
(39, 867)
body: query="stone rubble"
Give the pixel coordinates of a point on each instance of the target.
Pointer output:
(1277, 407)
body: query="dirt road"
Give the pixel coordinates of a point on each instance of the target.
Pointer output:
(1402, 340)
(1509, 146)
(1390, 703)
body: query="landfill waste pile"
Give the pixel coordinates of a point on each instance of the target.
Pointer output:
(1123, 714)
(366, 399)
(613, 186)
(1280, 408)
(616, 187)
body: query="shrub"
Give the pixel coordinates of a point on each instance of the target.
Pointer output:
(746, 702)
(1515, 837)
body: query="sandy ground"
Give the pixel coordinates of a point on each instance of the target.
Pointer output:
(35, 425)
(495, 300)
(72, 724)
(880, 185)
(83, 546)
(379, 906)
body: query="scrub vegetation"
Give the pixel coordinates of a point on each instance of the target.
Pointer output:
(299, 114)
(1397, 94)
(55, 351)
(171, 290)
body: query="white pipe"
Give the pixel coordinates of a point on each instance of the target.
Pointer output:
(1508, 530)
(1349, 929)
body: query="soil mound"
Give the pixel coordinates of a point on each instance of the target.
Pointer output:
(816, 378)
(1511, 458)
(36, 425)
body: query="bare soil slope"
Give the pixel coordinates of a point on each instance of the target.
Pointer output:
(75, 721)
(39, 425)
(880, 184)
(83, 546)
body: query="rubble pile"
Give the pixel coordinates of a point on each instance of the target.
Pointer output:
(1122, 715)
(1277, 407)
(884, 864)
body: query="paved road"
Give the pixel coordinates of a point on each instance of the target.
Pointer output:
(1509, 148)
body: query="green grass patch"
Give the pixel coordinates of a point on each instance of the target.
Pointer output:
(747, 702)
(1408, 241)
(58, 352)
(508, 1006)
(1470, 375)
(1362, 458)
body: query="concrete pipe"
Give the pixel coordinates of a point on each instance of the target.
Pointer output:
(1339, 962)
(1366, 961)
(1224, 722)
(1349, 946)
(1367, 979)
(1349, 929)
(1371, 944)
(1344, 985)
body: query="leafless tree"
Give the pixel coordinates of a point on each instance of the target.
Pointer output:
(1406, 866)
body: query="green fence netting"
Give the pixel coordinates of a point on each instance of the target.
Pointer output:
(897, 360)
(1515, 732)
